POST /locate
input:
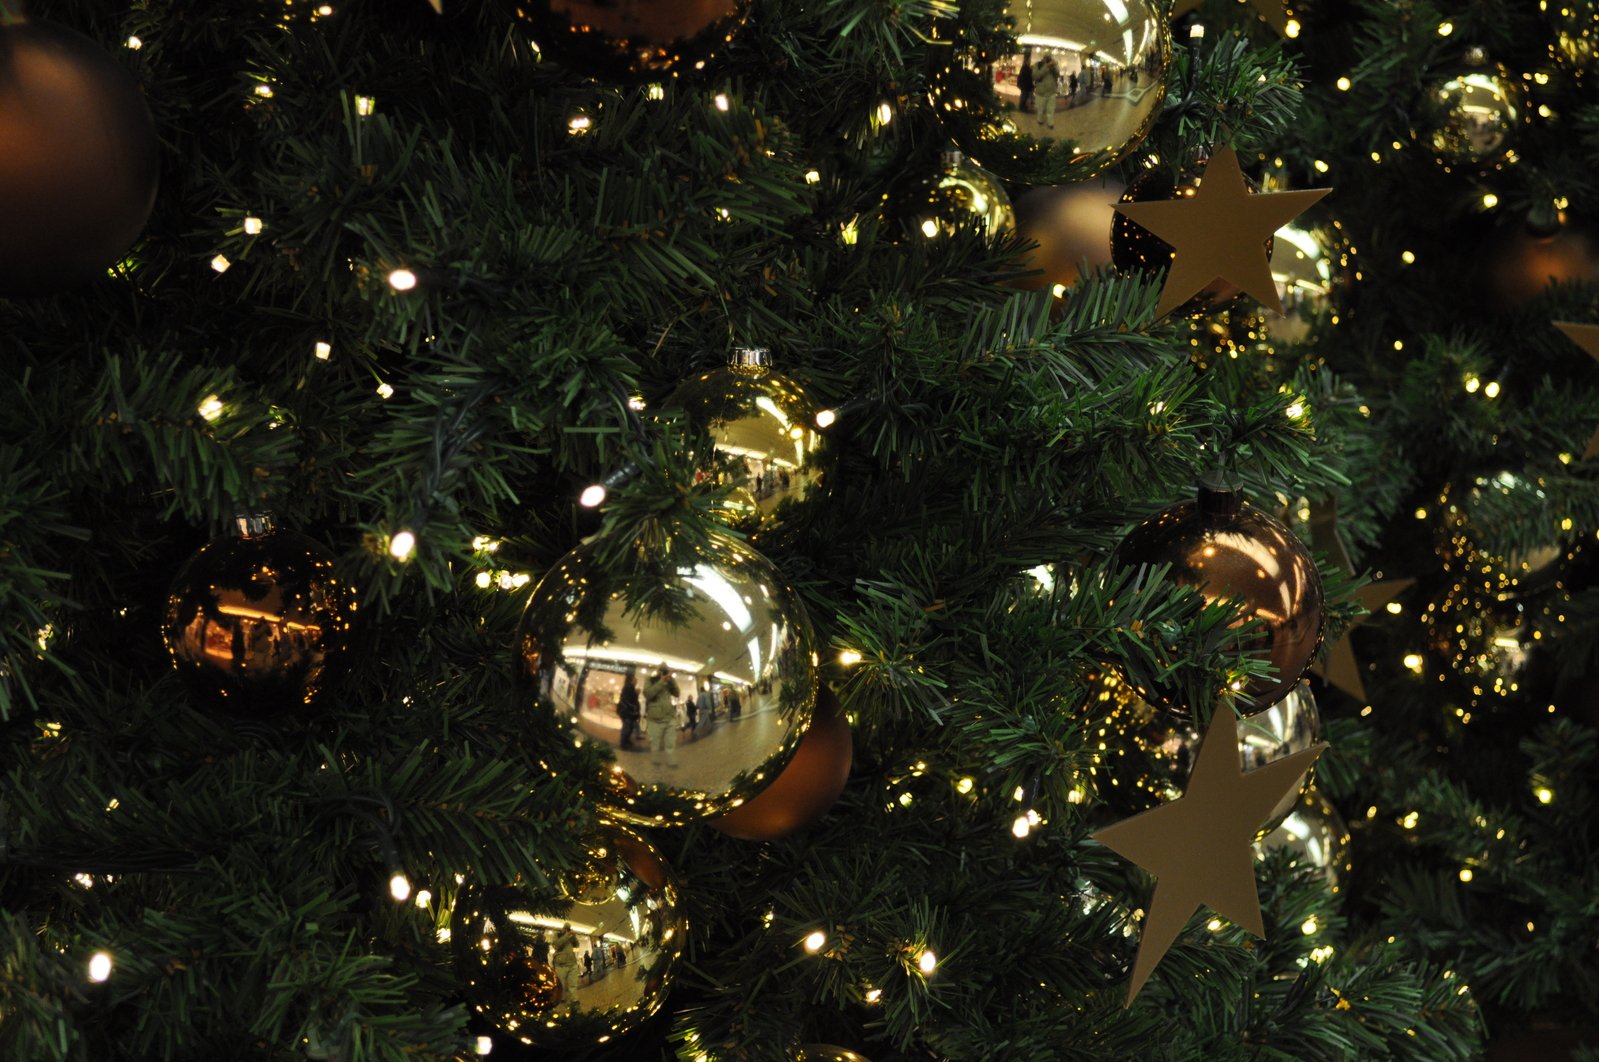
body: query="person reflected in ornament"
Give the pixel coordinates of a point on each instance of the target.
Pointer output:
(565, 962)
(706, 706)
(1046, 81)
(1071, 89)
(1024, 82)
(660, 708)
(588, 966)
(627, 707)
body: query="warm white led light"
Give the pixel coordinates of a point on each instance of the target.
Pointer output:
(401, 546)
(402, 280)
(592, 495)
(99, 966)
(399, 884)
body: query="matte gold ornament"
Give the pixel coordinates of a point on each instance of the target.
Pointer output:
(1071, 225)
(960, 195)
(256, 623)
(1228, 548)
(763, 430)
(1019, 112)
(825, 1053)
(521, 956)
(1198, 847)
(1469, 117)
(1315, 834)
(79, 160)
(717, 653)
(623, 40)
(1211, 231)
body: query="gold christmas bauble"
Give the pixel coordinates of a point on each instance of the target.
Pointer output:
(1469, 117)
(763, 431)
(622, 40)
(697, 675)
(1079, 89)
(825, 1053)
(1576, 35)
(1311, 262)
(1134, 249)
(959, 195)
(257, 623)
(521, 956)
(1071, 225)
(1316, 838)
(1290, 726)
(1227, 548)
(1522, 263)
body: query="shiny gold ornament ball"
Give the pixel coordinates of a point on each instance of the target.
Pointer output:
(959, 195)
(79, 159)
(1290, 726)
(623, 40)
(1575, 45)
(1313, 264)
(1470, 116)
(762, 427)
(256, 623)
(804, 790)
(1017, 113)
(825, 1053)
(1228, 548)
(1315, 836)
(718, 654)
(521, 958)
(1071, 225)
(1134, 249)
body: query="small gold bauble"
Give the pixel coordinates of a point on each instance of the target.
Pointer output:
(521, 958)
(257, 623)
(1290, 726)
(1078, 91)
(763, 428)
(960, 195)
(1071, 225)
(1469, 117)
(698, 676)
(1315, 836)
(1311, 262)
(825, 1053)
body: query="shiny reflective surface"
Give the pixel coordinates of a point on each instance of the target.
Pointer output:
(961, 195)
(1071, 225)
(826, 1053)
(718, 656)
(570, 972)
(804, 790)
(763, 428)
(1310, 263)
(1469, 118)
(618, 39)
(1315, 836)
(255, 623)
(1079, 90)
(1228, 548)
(1291, 725)
(1134, 248)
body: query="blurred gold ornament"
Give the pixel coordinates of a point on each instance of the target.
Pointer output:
(1523, 262)
(804, 790)
(1470, 115)
(763, 430)
(825, 1053)
(1576, 35)
(1071, 225)
(1287, 728)
(960, 195)
(1228, 548)
(1211, 234)
(1315, 835)
(1311, 265)
(1079, 91)
(699, 675)
(257, 623)
(521, 958)
(628, 39)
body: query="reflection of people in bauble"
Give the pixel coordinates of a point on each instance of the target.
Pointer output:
(1024, 81)
(660, 708)
(565, 961)
(1046, 81)
(627, 706)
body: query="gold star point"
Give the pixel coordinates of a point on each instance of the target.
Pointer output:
(1342, 669)
(1585, 336)
(1220, 233)
(1199, 847)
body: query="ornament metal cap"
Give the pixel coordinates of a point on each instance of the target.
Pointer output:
(750, 358)
(1220, 502)
(254, 525)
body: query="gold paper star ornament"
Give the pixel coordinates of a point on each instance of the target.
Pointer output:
(1199, 847)
(1220, 233)
(1585, 336)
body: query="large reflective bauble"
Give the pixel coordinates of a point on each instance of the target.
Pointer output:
(1469, 117)
(1310, 262)
(257, 623)
(1290, 726)
(763, 429)
(79, 158)
(959, 195)
(1078, 91)
(825, 1053)
(1071, 225)
(699, 677)
(804, 790)
(1227, 548)
(622, 40)
(521, 957)
(1316, 837)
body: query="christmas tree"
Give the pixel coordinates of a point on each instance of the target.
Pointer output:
(572, 530)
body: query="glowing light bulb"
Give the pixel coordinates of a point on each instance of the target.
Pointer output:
(399, 884)
(592, 496)
(210, 407)
(927, 962)
(849, 657)
(99, 966)
(1344, 84)
(252, 226)
(1465, 874)
(323, 350)
(133, 43)
(1021, 827)
(220, 263)
(721, 101)
(385, 390)
(814, 941)
(365, 105)
(401, 546)
(402, 280)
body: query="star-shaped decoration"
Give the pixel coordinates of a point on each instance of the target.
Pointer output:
(1274, 12)
(1220, 233)
(1341, 669)
(1199, 846)
(1585, 336)
(437, 6)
